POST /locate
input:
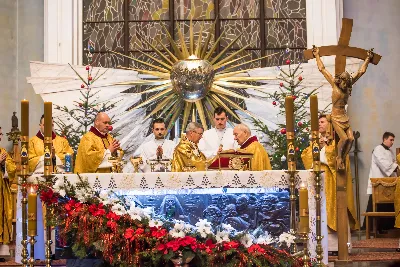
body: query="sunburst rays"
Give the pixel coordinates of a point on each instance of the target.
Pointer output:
(226, 85)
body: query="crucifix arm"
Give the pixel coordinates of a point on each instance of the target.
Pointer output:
(322, 69)
(363, 68)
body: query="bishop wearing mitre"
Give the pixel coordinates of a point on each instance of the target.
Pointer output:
(7, 174)
(187, 155)
(96, 147)
(36, 150)
(249, 144)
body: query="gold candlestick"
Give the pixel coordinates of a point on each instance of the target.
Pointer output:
(291, 160)
(304, 240)
(32, 242)
(317, 173)
(24, 174)
(32, 213)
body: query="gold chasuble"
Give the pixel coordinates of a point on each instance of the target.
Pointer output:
(260, 160)
(36, 149)
(187, 157)
(91, 151)
(330, 186)
(5, 198)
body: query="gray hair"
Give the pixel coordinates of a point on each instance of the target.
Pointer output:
(193, 126)
(243, 127)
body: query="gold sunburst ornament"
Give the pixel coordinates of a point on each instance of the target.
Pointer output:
(192, 81)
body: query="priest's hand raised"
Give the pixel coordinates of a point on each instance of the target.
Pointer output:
(114, 146)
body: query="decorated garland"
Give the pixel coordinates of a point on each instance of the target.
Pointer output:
(123, 234)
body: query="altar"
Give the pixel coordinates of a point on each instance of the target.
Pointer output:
(225, 195)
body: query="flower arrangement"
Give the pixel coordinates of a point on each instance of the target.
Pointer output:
(124, 234)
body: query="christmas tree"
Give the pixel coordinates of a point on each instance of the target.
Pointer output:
(74, 122)
(290, 85)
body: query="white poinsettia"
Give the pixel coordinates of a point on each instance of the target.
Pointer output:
(287, 238)
(222, 236)
(155, 223)
(62, 192)
(175, 233)
(203, 227)
(58, 185)
(118, 209)
(265, 239)
(246, 240)
(147, 212)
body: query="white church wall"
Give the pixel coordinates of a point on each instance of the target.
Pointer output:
(21, 30)
(373, 105)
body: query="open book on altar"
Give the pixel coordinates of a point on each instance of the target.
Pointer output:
(232, 160)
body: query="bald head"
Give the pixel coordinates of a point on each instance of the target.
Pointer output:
(102, 122)
(241, 133)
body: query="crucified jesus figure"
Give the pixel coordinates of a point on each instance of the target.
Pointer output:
(342, 85)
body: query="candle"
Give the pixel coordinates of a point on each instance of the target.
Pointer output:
(48, 119)
(32, 212)
(303, 209)
(314, 112)
(289, 108)
(25, 117)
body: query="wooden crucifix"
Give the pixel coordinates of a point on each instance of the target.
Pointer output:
(342, 84)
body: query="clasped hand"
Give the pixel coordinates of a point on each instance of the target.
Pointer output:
(115, 145)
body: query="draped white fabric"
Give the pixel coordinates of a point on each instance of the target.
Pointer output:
(162, 182)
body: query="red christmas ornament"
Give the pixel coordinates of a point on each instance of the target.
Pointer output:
(82, 85)
(274, 103)
(300, 78)
(299, 124)
(297, 149)
(283, 131)
(88, 67)
(80, 104)
(288, 61)
(90, 78)
(110, 128)
(281, 84)
(307, 129)
(294, 97)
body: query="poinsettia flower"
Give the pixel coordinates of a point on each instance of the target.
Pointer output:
(246, 240)
(112, 225)
(48, 196)
(155, 223)
(222, 236)
(230, 245)
(203, 228)
(129, 234)
(265, 240)
(158, 232)
(256, 249)
(118, 209)
(112, 216)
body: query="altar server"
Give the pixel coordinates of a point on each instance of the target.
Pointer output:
(96, 147)
(250, 144)
(36, 150)
(187, 156)
(157, 148)
(218, 138)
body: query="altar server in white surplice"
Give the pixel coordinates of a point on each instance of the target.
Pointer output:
(383, 163)
(157, 148)
(219, 138)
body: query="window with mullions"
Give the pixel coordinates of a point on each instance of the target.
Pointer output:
(131, 27)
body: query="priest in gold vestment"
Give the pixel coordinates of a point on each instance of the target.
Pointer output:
(96, 147)
(187, 156)
(327, 158)
(7, 175)
(250, 144)
(36, 150)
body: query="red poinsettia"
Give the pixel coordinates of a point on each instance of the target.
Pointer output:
(230, 245)
(73, 206)
(207, 247)
(112, 225)
(256, 249)
(179, 243)
(131, 234)
(158, 232)
(112, 216)
(47, 196)
(97, 210)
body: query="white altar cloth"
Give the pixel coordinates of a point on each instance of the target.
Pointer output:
(158, 183)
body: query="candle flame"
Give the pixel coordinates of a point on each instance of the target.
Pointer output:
(32, 190)
(303, 185)
(193, 57)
